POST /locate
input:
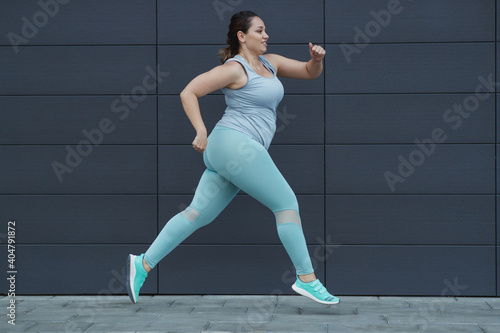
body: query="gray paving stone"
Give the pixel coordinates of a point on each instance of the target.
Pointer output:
(222, 316)
(123, 326)
(173, 309)
(42, 303)
(490, 328)
(267, 327)
(466, 328)
(176, 326)
(55, 327)
(114, 318)
(163, 299)
(164, 309)
(493, 302)
(371, 328)
(20, 326)
(470, 311)
(45, 317)
(250, 301)
(471, 318)
(299, 301)
(355, 301)
(36, 298)
(198, 301)
(426, 300)
(329, 318)
(308, 311)
(24, 308)
(217, 310)
(77, 304)
(77, 310)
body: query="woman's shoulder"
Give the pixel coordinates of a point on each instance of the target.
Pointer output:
(236, 68)
(233, 60)
(233, 64)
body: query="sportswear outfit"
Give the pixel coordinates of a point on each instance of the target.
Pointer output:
(236, 158)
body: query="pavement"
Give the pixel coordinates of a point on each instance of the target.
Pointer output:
(251, 313)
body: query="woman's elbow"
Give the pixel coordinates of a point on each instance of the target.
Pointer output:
(315, 76)
(185, 94)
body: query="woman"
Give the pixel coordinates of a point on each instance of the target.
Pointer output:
(235, 153)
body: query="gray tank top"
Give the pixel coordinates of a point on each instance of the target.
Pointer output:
(252, 108)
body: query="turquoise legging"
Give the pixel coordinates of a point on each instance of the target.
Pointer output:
(235, 161)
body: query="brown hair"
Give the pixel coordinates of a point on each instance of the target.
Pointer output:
(239, 22)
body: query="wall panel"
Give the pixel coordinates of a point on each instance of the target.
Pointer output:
(407, 169)
(409, 68)
(66, 119)
(411, 270)
(406, 21)
(411, 219)
(79, 22)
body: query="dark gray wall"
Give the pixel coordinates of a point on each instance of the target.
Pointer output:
(393, 74)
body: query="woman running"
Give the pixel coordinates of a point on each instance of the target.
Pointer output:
(235, 153)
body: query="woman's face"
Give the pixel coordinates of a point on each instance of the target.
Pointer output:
(256, 36)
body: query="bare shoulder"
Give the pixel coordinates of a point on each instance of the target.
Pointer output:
(237, 73)
(233, 67)
(221, 76)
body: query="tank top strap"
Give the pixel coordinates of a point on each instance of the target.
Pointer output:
(267, 64)
(250, 72)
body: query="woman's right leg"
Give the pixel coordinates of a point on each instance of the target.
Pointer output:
(212, 195)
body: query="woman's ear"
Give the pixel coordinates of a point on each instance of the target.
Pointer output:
(241, 36)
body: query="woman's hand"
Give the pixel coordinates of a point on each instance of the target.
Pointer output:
(317, 52)
(200, 141)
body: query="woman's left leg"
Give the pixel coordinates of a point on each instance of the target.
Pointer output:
(248, 165)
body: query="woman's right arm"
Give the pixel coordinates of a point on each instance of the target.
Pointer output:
(217, 78)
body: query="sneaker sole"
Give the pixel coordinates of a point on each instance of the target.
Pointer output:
(130, 277)
(308, 295)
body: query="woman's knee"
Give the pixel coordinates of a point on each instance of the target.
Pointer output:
(288, 216)
(196, 217)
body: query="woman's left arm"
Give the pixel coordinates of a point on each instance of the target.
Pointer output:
(295, 69)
